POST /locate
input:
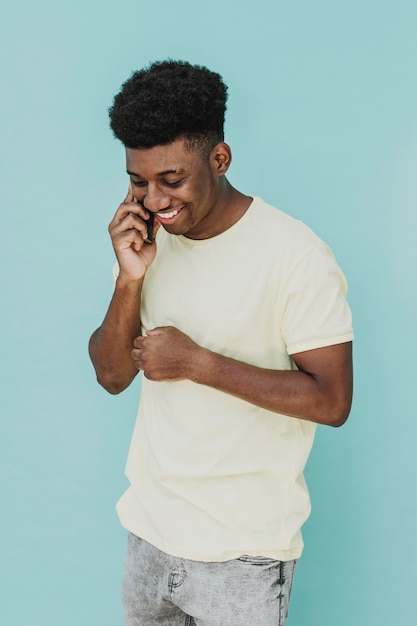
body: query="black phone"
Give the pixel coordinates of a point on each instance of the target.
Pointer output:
(149, 224)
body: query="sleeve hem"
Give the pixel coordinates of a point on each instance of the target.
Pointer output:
(319, 343)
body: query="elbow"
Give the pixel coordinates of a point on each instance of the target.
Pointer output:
(336, 404)
(107, 374)
(111, 385)
(338, 420)
(111, 379)
(332, 409)
(338, 415)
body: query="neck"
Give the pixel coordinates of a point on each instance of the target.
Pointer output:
(232, 205)
(229, 206)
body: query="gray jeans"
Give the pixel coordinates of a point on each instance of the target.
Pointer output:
(169, 591)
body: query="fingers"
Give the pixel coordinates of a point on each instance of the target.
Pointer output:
(163, 353)
(130, 221)
(136, 357)
(142, 351)
(129, 216)
(125, 238)
(134, 208)
(130, 205)
(136, 353)
(137, 342)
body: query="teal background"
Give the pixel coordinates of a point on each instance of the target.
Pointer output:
(322, 120)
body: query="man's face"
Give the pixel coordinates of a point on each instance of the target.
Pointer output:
(179, 186)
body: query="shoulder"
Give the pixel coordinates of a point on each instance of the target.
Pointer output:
(283, 224)
(280, 234)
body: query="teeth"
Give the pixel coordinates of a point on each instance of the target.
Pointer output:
(168, 215)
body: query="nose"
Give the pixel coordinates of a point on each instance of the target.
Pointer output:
(155, 199)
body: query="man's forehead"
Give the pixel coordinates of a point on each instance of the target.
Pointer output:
(162, 159)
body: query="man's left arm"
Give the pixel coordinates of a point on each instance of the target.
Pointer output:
(319, 391)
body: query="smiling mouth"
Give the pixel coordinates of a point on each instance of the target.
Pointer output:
(167, 217)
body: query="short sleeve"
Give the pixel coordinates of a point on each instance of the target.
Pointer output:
(316, 313)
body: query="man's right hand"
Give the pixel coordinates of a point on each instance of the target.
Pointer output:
(128, 233)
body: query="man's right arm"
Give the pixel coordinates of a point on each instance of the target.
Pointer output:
(111, 344)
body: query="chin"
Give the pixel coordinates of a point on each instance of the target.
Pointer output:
(172, 229)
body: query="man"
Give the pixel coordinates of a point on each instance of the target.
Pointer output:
(236, 315)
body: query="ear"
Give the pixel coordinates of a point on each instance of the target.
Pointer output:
(220, 158)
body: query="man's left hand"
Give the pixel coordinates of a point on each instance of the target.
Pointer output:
(165, 353)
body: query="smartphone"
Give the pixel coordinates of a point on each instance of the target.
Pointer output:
(149, 224)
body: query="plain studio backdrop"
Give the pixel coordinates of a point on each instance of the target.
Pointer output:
(322, 121)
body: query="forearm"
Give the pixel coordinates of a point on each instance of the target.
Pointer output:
(319, 391)
(295, 393)
(111, 345)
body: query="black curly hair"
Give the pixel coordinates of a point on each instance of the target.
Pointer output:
(170, 100)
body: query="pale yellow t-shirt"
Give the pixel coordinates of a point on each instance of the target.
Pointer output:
(211, 476)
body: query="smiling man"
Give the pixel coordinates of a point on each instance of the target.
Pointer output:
(236, 315)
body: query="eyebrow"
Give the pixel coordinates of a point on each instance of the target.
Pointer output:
(164, 173)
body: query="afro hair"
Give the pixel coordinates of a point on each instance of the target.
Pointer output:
(168, 100)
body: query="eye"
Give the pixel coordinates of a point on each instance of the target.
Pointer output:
(174, 183)
(139, 183)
